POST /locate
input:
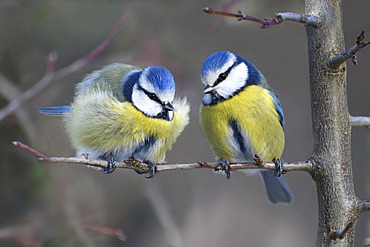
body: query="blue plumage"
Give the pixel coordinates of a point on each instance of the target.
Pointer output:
(276, 188)
(255, 77)
(160, 77)
(279, 110)
(129, 85)
(56, 111)
(214, 62)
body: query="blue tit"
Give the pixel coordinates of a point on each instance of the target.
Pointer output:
(122, 112)
(241, 117)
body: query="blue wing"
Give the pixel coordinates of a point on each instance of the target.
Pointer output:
(278, 109)
(56, 111)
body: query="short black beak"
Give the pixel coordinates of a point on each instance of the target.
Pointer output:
(207, 89)
(168, 106)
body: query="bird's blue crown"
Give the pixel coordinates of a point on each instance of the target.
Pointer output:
(215, 61)
(160, 77)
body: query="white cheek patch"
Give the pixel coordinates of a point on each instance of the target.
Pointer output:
(236, 80)
(142, 102)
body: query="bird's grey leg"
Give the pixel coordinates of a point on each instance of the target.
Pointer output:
(278, 166)
(111, 162)
(224, 165)
(152, 169)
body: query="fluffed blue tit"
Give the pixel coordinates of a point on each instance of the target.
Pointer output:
(122, 112)
(242, 117)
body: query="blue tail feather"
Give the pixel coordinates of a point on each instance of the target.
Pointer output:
(277, 190)
(56, 111)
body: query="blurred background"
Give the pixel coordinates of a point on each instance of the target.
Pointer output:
(69, 205)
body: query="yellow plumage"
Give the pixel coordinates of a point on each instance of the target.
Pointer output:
(102, 122)
(114, 125)
(254, 111)
(242, 117)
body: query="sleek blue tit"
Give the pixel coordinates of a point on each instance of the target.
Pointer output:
(242, 117)
(122, 112)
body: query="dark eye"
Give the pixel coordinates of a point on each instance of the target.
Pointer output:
(222, 76)
(152, 96)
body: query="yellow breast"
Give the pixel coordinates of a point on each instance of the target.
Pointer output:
(253, 109)
(99, 121)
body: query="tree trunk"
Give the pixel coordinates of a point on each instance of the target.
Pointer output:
(338, 204)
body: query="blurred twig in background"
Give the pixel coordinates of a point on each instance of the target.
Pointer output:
(51, 75)
(163, 213)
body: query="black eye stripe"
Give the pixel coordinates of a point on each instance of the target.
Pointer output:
(151, 96)
(223, 76)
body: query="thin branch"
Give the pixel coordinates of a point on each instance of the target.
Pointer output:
(227, 7)
(337, 60)
(51, 76)
(360, 121)
(309, 20)
(145, 168)
(292, 166)
(240, 16)
(279, 18)
(341, 233)
(365, 206)
(34, 151)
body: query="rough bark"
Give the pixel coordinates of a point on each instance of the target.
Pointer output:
(338, 204)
